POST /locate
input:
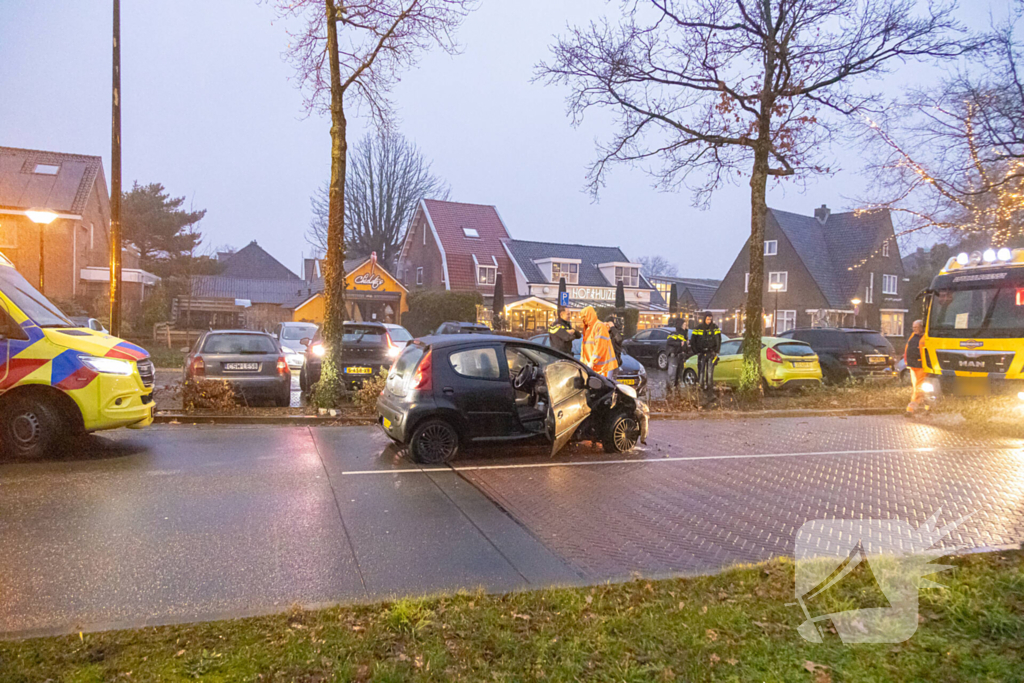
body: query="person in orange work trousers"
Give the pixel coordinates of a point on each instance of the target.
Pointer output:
(912, 357)
(597, 353)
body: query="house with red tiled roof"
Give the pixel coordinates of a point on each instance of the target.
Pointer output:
(457, 247)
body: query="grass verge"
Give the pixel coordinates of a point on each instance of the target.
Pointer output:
(735, 626)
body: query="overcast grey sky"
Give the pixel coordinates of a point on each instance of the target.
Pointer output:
(211, 112)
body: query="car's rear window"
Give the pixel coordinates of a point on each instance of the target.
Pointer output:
(362, 334)
(399, 334)
(869, 342)
(403, 369)
(794, 349)
(239, 344)
(297, 332)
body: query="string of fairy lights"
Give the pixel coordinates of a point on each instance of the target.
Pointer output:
(992, 201)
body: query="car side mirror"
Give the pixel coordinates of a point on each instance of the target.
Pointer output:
(594, 383)
(578, 382)
(304, 341)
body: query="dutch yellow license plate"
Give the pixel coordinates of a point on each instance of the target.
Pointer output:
(359, 370)
(627, 381)
(387, 423)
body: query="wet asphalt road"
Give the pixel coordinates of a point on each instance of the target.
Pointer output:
(184, 523)
(176, 524)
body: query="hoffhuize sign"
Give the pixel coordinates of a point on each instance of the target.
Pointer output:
(373, 280)
(592, 293)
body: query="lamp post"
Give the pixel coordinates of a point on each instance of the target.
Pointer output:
(856, 308)
(775, 287)
(42, 218)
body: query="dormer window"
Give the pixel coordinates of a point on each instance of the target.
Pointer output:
(485, 274)
(470, 232)
(570, 271)
(629, 277)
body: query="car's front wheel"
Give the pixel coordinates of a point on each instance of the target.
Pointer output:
(623, 431)
(31, 427)
(434, 442)
(662, 360)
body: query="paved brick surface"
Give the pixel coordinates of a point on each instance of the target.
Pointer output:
(705, 494)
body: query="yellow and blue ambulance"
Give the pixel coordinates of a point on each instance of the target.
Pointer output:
(58, 380)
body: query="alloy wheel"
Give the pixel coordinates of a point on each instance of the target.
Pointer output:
(437, 443)
(662, 360)
(625, 434)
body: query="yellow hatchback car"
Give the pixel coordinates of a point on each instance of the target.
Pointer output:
(784, 363)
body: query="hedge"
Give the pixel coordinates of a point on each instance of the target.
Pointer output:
(428, 309)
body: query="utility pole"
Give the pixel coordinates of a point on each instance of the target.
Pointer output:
(115, 183)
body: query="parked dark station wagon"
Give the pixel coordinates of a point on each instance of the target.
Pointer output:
(367, 348)
(848, 352)
(445, 392)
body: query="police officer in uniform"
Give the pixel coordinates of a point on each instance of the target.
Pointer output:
(706, 341)
(678, 347)
(561, 332)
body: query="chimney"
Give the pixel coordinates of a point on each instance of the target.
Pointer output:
(822, 214)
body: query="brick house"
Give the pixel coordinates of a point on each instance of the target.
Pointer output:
(77, 243)
(456, 247)
(840, 269)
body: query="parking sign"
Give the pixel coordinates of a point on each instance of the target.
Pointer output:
(563, 298)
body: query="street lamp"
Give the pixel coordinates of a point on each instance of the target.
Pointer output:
(42, 218)
(775, 287)
(856, 303)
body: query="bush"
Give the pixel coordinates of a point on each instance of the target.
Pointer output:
(206, 394)
(429, 309)
(366, 397)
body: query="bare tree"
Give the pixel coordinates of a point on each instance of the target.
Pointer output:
(387, 177)
(951, 158)
(657, 265)
(704, 90)
(355, 49)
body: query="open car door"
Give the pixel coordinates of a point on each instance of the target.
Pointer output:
(567, 401)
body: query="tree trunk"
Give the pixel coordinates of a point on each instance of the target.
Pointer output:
(750, 380)
(330, 386)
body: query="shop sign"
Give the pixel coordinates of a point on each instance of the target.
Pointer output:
(592, 293)
(372, 279)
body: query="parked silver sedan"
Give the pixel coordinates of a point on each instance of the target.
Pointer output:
(252, 362)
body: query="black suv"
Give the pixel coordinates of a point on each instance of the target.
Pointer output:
(848, 352)
(366, 349)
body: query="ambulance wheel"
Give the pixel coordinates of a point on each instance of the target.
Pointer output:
(31, 427)
(623, 432)
(434, 442)
(662, 360)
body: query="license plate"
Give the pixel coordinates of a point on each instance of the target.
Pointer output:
(630, 382)
(802, 363)
(875, 360)
(241, 366)
(386, 422)
(359, 371)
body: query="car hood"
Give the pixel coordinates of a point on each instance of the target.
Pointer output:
(94, 343)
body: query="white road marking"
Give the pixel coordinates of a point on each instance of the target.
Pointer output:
(682, 458)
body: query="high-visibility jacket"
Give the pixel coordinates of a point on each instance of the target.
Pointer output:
(706, 339)
(679, 343)
(597, 353)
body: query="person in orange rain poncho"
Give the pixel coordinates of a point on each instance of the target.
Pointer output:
(597, 353)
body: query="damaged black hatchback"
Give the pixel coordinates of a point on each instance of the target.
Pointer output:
(445, 392)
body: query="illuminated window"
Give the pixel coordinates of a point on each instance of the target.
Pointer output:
(570, 271)
(485, 274)
(781, 278)
(892, 324)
